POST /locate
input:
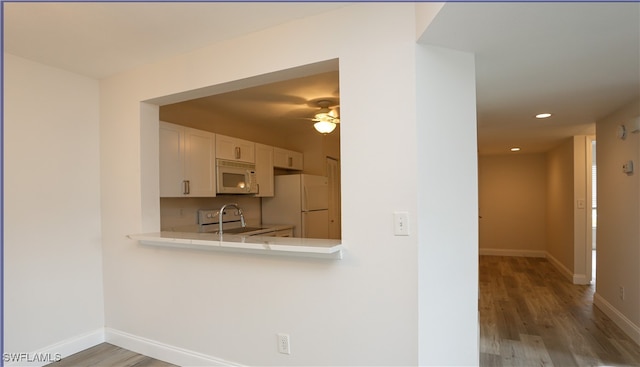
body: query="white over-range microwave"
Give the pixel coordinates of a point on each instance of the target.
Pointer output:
(236, 177)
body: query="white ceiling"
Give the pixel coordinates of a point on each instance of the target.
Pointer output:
(99, 39)
(579, 61)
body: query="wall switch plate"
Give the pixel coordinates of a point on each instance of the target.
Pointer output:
(627, 167)
(581, 204)
(401, 223)
(284, 345)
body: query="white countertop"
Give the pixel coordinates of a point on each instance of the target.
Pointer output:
(291, 246)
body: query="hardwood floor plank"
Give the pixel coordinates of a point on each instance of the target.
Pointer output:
(108, 355)
(530, 315)
(536, 351)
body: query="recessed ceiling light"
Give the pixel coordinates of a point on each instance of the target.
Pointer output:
(543, 115)
(515, 149)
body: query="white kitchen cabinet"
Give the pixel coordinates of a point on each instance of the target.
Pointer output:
(287, 159)
(235, 149)
(187, 162)
(264, 170)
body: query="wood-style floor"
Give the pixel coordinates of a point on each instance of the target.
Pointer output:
(530, 315)
(107, 355)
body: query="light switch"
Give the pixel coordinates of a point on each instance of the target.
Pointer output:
(401, 223)
(581, 204)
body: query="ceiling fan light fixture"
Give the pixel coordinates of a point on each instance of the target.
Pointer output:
(324, 127)
(326, 118)
(323, 116)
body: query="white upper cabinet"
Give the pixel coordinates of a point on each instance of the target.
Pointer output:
(235, 149)
(287, 159)
(187, 162)
(264, 170)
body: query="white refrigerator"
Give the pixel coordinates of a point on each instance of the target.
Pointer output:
(301, 200)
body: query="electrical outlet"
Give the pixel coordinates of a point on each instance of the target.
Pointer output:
(284, 345)
(621, 293)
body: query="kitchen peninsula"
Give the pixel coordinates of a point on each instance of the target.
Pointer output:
(257, 244)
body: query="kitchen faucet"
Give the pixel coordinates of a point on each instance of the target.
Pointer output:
(242, 222)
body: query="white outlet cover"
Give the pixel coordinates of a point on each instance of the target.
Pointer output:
(284, 343)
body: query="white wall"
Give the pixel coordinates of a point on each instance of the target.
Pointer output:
(618, 235)
(52, 256)
(447, 175)
(360, 310)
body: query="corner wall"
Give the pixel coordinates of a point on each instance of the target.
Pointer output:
(560, 233)
(568, 208)
(618, 234)
(53, 293)
(448, 207)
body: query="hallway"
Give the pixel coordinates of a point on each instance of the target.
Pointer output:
(531, 316)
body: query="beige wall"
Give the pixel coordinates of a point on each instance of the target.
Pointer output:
(618, 234)
(513, 200)
(560, 204)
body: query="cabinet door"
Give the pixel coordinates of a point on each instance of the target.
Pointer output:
(264, 170)
(171, 160)
(287, 159)
(296, 161)
(199, 164)
(235, 149)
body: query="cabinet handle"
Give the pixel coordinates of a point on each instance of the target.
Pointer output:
(290, 161)
(238, 153)
(186, 187)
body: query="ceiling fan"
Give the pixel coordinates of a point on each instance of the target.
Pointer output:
(326, 118)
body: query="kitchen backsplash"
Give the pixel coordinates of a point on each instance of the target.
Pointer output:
(181, 214)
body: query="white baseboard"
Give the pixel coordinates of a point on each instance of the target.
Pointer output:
(618, 318)
(563, 269)
(507, 252)
(581, 279)
(161, 351)
(54, 352)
